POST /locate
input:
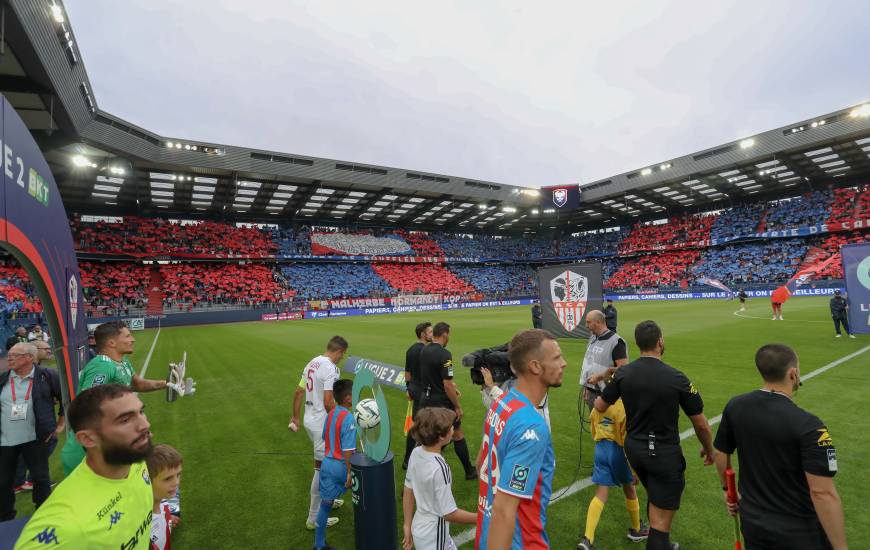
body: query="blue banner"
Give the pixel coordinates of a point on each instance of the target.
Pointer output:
(415, 309)
(386, 374)
(714, 295)
(856, 268)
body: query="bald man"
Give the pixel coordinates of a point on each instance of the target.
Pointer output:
(605, 353)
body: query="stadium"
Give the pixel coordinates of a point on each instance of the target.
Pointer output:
(247, 261)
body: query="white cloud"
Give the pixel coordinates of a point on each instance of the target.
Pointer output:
(506, 91)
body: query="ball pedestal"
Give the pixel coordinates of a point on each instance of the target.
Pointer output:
(373, 491)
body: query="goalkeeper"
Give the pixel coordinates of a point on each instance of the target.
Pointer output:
(114, 342)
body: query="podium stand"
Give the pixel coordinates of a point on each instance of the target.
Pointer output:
(373, 491)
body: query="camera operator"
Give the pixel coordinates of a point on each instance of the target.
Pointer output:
(605, 353)
(490, 391)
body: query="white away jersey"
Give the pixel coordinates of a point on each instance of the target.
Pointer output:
(160, 529)
(319, 376)
(429, 478)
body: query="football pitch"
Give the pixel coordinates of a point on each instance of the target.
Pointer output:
(246, 476)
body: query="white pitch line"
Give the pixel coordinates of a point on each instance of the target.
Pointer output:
(468, 535)
(150, 351)
(737, 313)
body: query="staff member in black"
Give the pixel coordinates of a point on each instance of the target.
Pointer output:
(653, 393)
(537, 316)
(610, 315)
(439, 390)
(840, 314)
(787, 498)
(412, 378)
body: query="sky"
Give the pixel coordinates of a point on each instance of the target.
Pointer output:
(523, 93)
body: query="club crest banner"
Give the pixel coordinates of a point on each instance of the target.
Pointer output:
(568, 292)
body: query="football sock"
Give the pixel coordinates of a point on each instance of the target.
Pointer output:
(592, 517)
(658, 540)
(322, 518)
(462, 453)
(633, 507)
(314, 507)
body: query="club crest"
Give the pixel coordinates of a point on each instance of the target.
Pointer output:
(569, 292)
(560, 197)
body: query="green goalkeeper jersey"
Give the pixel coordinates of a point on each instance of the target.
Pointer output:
(100, 370)
(87, 511)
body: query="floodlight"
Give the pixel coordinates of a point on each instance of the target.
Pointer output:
(747, 143)
(862, 111)
(57, 13)
(80, 161)
(646, 172)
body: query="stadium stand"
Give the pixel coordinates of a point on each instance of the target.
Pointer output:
(359, 244)
(498, 281)
(17, 294)
(292, 241)
(422, 279)
(738, 221)
(597, 244)
(421, 243)
(114, 287)
(667, 269)
(687, 230)
(850, 204)
(756, 262)
(809, 209)
(831, 245)
(156, 236)
(321, 281)
(206, 284)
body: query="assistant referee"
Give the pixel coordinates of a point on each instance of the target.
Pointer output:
(439, 389)
(787, 462)
(653, 393)
(412, 379)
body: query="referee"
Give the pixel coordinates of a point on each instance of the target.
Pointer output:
(787, 462)
(653, 393)
(412, 378)
(439, 389)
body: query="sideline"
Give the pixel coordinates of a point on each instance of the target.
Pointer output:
(737, 313)
(150, 351)
(565, 492)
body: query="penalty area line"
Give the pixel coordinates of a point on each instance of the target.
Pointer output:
(150, 352)
(468, 535)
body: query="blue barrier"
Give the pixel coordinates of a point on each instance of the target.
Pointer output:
(716, 295)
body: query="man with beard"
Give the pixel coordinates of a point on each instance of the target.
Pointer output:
(516, 472)
(106, 502)
(111, 366)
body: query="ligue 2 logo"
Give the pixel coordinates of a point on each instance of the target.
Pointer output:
(863, 272)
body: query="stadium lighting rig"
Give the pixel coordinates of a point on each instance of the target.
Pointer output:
(81, 161)
(747, 143)
(861, 111)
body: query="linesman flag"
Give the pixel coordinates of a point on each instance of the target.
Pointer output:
(802, 277)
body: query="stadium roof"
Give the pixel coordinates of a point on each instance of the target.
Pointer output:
(106, 165)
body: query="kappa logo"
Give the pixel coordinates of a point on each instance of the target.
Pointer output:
(114, 518)
(47, 536)
(530, 435)
(824, 438)
(692, 389)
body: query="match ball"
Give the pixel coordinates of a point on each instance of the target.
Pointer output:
(366, 414)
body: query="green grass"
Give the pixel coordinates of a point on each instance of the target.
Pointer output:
(246, 477)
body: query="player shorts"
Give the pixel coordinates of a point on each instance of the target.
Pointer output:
(663, 475)
(333, 476)
(431, 534)
(762, 534)
(441, 402)
(316, 437)
(610, 467)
